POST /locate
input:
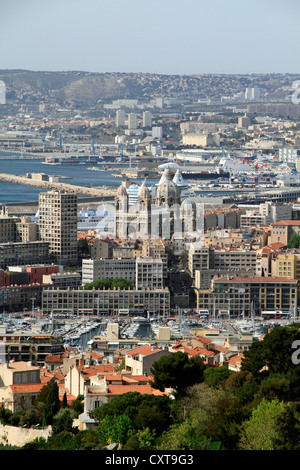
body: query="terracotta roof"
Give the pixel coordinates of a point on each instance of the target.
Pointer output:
(286, 222)
(100, 369)
(143, 389)
(54, 358)
(27, 388)
(143, 350)
(204, 340)
(276, 246)
(236, 359)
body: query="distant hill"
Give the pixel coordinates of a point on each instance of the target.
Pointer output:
(80, 88)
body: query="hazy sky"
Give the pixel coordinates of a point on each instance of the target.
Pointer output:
(155, 36)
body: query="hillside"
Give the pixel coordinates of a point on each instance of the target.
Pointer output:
(85, 89)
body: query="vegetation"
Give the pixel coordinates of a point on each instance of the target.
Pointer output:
(177, 371)
(212, 408)
(108, 283)
(294, 241)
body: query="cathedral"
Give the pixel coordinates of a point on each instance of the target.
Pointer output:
(157, 213)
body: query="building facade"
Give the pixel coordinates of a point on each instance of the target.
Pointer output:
(58, 224)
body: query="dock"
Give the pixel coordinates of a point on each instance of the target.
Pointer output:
(105, 193)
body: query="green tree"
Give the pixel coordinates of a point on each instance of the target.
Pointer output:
(274, 354)
(88, 439)
(263, 431)
(215, 376)
(78, 405)
(47, 402)
(108, 283)
(64, 401)
(116, 429)
(177, 371)
(62, 421)
(63, 441)
(142, 409)
(275, 386)
(294, 241)
(83, 249)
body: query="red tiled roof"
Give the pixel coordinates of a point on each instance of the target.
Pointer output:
(54, 358)
(27, 388)
(236, 359)
(143, 350)
(204, 340)
(100, 369)
(143, 389)
(283, 223)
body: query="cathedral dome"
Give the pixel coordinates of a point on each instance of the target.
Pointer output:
(167, 192)
(121, 191)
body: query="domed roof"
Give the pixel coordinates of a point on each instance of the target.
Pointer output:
(188, 202)
(144, 192)
(121, 191)
(167, 191)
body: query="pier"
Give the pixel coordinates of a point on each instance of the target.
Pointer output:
(105, 193)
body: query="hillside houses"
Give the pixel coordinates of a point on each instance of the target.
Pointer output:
(90, 374)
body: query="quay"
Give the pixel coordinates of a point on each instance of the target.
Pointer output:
(105, 193)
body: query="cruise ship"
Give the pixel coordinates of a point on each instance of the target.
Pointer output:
(101, 220)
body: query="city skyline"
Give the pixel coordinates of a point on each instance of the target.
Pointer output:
(166, 38)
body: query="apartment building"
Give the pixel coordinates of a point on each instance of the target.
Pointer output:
(141, 272)
(286, 264)
(266, 213)
(63, 280)
(23, 253)
(139, 360)
(264, 258)
(122, 268)
(58, 224)
(149, 273)
(29, 346)
(237, 295)
(17, 229)
(14, 379)
(26, 230)
(153, 248)
(282, 230)
(8, 228)
(95, 302)
(15, 298)
(221, 258)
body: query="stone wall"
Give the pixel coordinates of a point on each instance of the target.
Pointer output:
(16, 436)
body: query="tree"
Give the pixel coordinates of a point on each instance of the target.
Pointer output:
(264, 430)
(47, 402)
(215, 376)
(64, 401)
(78, 405)
(62, 421)
(274, 354)
(116, 429)
(177, 371)
(83, 249)
(294, 241)
(142, 409)
(108, 283)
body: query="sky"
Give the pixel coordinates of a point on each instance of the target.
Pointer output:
(157, 36)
